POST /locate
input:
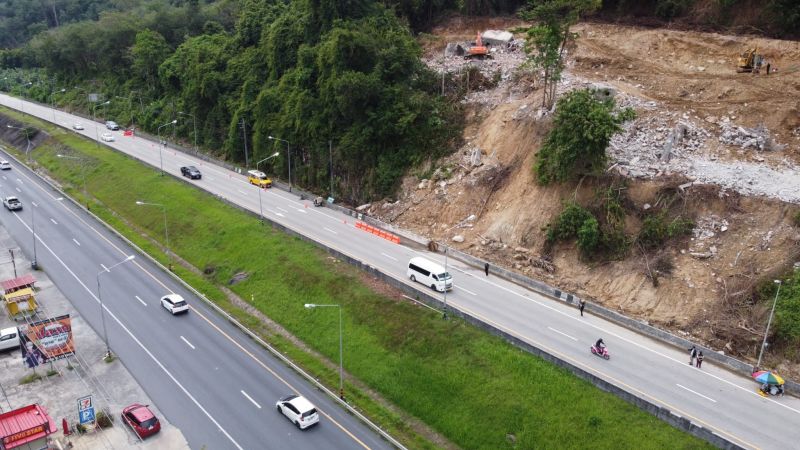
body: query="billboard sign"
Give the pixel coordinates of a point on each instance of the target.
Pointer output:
(46, 340)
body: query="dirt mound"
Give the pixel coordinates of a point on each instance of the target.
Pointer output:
(717, 139)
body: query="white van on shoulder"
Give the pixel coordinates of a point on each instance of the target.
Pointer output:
(429, 274)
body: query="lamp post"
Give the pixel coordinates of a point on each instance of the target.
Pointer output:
(444, 314)
(163, 143)
(194, 125)
(28, 138)
(83, 168)
(769, 322)
(166, 232)
(341, 367)
(290, 158)
(100, 298)
(34, 264)
(94, 119)
(53, 101)
(260, 207)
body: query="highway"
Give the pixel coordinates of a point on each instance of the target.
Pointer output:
(205, 375)
(712, 397)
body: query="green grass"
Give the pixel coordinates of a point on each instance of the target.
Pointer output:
(30, 378)
(475, 389)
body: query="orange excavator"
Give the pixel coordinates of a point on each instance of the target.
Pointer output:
(478, 50)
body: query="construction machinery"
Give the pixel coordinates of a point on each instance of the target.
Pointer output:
(750, 61)
(478, 50)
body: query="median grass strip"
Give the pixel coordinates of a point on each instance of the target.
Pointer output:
(475, 389)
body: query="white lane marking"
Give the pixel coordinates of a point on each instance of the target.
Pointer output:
(282, 209)
(563, 334)
(301, 210)
(466, 290)
(696, 393)
(135, 339)
(279, 215)
(328, 229)
(251, 399)
(18, 189)
(4, 177)
(54, 221)
(104, 267)
(19, 181)
(76, 241)
(34, 204)
(187, 342)
(140, 300)
(390, 257)
(242, 192)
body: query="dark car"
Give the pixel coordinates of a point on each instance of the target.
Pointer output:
(191, 172)
(143, 422)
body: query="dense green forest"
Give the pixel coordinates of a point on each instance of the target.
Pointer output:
(338, 83)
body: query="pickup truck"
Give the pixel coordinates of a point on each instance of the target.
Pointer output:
(12, 203)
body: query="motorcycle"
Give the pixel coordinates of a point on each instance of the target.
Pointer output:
(603, 352)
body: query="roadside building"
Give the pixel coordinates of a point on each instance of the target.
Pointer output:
(26, 428)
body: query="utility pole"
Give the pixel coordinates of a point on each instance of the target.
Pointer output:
(13, 263)
(330, 156)
(244, 137)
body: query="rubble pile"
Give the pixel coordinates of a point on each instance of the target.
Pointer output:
(757, 138)
(705, 236)
(651, 145)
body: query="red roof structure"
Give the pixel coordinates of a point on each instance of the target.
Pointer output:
(24, 425)
(18, 283)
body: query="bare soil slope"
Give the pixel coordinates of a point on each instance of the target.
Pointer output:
(484, 200)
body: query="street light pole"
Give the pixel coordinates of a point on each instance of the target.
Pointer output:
(769, 322)
(34, 264)
(290, 158)
(94, 119)
(194, 125)
(163, 143)
(100, 298)
(53, 101)
(166, 232)
(260, 207)
(27, 137)
(341, 366)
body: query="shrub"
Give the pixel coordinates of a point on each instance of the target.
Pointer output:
(568, 222)
(589, 236)
(104, 420)
(680, 226)
(654, 231)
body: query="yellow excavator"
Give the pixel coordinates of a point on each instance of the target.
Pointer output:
(750, 61)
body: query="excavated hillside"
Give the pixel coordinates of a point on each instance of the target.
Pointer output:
(722, 147)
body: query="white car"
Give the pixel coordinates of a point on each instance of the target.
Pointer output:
(5, 165)
(12, 203)
(108, 137)
(299, 410)
(77, 126)
(174, 303)
(9, 338)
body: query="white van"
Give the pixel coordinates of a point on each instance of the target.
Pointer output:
(9, 338)
(429, 274)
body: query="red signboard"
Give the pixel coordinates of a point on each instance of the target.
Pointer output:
(23, 434)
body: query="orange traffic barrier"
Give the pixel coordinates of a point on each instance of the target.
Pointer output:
(396, 240)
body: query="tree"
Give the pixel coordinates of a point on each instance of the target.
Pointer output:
(576, 146)
(147, 53)
(548, 40)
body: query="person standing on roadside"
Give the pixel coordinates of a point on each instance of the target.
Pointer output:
(486, 268)
(692, 354)
(581, 305)
(699, 360)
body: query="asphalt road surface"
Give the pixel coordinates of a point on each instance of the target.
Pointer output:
(722, 401)
(205, 375)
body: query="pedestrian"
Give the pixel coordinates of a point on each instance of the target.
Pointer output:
(581, 305)
(699, 359)
(768, 67)
(486, 269)
(692, 354)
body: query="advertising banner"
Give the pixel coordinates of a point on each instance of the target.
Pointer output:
(46, 340)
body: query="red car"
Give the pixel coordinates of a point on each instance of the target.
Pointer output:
(143, 422)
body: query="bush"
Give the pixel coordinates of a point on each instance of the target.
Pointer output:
(669, 9)
(568, 222)
(104, 420)
(680, 226)
(654, 231)
(589, 236)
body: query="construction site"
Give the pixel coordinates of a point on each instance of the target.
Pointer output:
(714, 134)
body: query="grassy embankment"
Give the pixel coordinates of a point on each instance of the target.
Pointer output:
(476, 390)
